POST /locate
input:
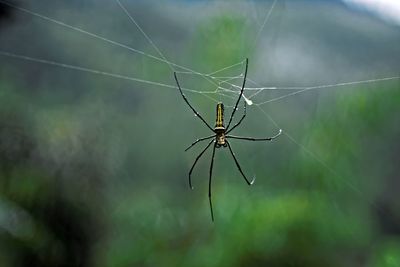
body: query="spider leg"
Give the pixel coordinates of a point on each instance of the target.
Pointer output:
(199, 140)
(238, 166)
(187, 102)
(240, 121)
(254, 139)
(240, 95)
(195, 162)
(209, 182)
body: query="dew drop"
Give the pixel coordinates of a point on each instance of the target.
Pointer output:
(248, 101)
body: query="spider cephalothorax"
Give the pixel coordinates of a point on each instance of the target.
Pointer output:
(221, 135)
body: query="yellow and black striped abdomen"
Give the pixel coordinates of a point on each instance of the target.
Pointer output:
(219, 124)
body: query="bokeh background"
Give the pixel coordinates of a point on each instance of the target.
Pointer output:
(93, 170)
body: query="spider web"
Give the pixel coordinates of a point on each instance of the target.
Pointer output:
(222, 83)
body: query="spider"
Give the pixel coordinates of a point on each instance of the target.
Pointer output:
(220, 136)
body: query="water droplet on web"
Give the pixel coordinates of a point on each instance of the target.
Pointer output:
(248, 101)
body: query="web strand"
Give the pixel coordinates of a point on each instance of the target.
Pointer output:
(60, 23)
(330, 86)
(118, 44)
(103, 73)
(264, 23)
(144, 34)
(314, 156)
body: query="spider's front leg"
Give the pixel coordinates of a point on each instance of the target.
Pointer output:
(199, 140)
(255, 139)
(195, 162)
(238, 166)
(209, 182)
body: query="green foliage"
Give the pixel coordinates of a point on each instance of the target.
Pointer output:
(221, 41)
(93, 172)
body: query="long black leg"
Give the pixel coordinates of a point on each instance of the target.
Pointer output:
(254, 139)
(199, 140)
(240, 121)
(187, 102)
(238, 166)
(240, 95)
(209, 182)
(194, 164)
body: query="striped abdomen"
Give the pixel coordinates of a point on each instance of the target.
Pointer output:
(219, 124)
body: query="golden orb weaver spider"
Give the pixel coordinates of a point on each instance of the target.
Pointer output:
(221, 135)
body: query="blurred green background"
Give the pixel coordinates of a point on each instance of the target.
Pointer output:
(93, 170)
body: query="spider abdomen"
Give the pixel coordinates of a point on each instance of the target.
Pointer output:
(219, 124)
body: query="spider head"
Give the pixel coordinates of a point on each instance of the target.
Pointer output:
(220, 139)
